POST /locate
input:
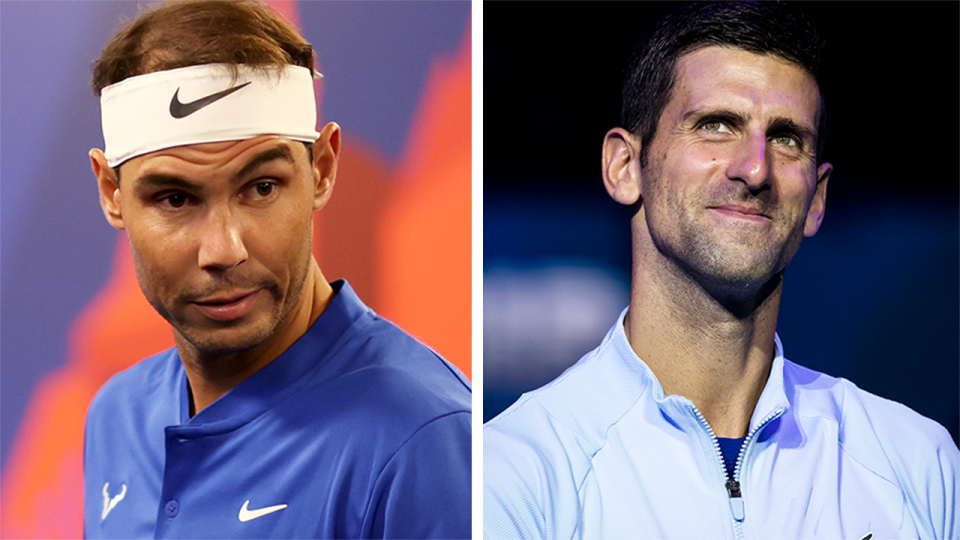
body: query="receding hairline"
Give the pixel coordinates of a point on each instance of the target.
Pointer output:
(177, 34)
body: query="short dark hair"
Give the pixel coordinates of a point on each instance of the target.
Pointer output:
(196, 32)
(758, 27)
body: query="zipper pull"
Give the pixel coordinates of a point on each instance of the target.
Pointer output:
(736, 501)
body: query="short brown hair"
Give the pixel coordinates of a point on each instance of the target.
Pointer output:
(197, 32)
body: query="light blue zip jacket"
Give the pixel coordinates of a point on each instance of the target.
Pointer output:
(601, 452)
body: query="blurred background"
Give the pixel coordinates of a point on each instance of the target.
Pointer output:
(397, 80)
(873, 297)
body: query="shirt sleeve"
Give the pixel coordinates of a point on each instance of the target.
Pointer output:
(424, 491)
(949, 483)
(512, 490)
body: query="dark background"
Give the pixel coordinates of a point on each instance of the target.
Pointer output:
(873, 297)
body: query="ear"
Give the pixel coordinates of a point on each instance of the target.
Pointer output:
(819, 204)
(621, 166)
(109, 188)
(326, 152)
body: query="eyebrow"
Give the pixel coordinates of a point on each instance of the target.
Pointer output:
(782, 124)
(160, 180)
(719, 114)
(280, 152)
(779, 124)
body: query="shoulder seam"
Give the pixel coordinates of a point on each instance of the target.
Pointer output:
(606, 437)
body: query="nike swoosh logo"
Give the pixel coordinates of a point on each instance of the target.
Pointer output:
(183, 110)
(246, 514)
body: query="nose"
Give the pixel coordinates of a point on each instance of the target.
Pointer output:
(221, 242)
(749, 163)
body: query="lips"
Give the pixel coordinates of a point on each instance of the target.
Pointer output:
(738, 211)
(227, 307)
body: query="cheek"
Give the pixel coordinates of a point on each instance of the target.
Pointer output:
(158, 253)
(797, 185)
(707, 163)
(164, 254)
(157, 271)
(685, 174)
(284, 241)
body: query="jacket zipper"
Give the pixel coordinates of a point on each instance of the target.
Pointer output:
(733, 486)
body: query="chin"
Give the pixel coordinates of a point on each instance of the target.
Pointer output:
(732, 270)
(226, 341)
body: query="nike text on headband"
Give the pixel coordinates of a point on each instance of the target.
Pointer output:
(201, 104)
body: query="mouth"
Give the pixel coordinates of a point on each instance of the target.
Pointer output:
(739, 211)
(227, 307)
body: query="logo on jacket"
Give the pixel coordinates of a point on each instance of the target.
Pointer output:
(247, 515)
(110, 502)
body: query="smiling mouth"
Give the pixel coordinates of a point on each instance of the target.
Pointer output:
(740, 212)
(227, 308)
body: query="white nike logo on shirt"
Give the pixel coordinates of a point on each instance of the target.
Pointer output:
(110, 503)
(246, 514)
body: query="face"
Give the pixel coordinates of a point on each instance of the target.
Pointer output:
(732, 184)
(221, 236)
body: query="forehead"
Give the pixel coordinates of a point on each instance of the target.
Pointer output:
(742, 81)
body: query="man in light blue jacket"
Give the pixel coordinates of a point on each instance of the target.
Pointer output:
(687, 421)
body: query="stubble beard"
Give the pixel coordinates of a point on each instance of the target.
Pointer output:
(736, 274)
(205, 342)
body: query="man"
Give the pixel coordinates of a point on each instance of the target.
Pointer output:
(287, 408)
(687, 421)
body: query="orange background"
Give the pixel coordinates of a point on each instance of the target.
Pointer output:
(399, 231)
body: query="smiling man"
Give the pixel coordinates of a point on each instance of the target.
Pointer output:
(687, 421)
(287, 408)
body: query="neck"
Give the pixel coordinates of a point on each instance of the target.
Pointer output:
(702, 341)
(211, 376)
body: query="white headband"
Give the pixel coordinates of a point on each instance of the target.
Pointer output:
(201, 104)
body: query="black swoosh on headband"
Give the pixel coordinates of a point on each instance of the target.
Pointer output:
(182, 110)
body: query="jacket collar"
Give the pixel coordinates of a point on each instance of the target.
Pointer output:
(773, 400)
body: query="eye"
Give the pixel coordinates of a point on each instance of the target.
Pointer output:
(264, 188)
(786, 140)
(715, 125)
(260, 190)
(174, 200)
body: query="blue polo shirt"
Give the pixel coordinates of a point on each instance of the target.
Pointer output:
(356, 431)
